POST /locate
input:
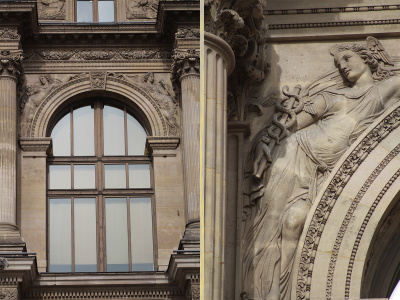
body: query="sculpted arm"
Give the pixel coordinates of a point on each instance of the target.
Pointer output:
(305, 119)
(262, 153)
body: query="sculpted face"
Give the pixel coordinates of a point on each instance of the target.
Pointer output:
(351, 65)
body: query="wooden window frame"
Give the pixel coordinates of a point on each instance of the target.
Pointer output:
(100, 193)
(95, 8)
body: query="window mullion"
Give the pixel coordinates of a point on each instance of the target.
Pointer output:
(129, 234)
(95, 11)
(72, 234)
(72, 131)
(126, 132)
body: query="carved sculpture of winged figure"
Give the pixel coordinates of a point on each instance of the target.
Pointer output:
(291, 158)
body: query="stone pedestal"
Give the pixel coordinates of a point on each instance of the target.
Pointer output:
(218, 63)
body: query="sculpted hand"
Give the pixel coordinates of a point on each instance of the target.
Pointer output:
(261, 159)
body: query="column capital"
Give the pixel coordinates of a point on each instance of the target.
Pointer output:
(186, 63)
(11, 63)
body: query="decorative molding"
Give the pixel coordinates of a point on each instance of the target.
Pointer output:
(35, 144)
(303, 11)
(96, 293)
(3, 263)
(185, 64)
(51, 9)
(188, 32)
(9, 34)
(333, 24)
(361, 232)
(11, 62)
(331, 194)
(193, 287)
(349, 215)
(98, 80)
(90, 55)
(162, 143)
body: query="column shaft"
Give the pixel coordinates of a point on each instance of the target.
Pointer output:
(8, 150)
(191, 146)
(218, 63)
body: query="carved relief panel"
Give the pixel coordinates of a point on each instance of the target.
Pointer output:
(141, 9)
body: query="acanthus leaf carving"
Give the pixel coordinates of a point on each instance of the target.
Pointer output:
(9, 34)
(11, 62)
(185, 64)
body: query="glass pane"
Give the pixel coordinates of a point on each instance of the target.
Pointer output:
(60, 176)
(61, 136)
(83, 120)
(114, 176)
(60, 235)
(141, 234)
(117, 235)
(84, 177)
(114, 134)
(139, 176)
(106, 11)
(85, 234)
(84, 11)
(136, 137)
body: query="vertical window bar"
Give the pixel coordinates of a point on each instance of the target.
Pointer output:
(72, 131)
(72, 176)
(95, 11)
(129, 234)
(72, 234)
(126, 132)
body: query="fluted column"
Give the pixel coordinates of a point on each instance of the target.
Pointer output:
(10, 63)
(218, 64)
(187, 70)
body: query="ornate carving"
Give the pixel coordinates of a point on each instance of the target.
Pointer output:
(51, 9)
(97, 54)
(361, 232)
(9, 294)
(98, 80)
(11, 62)
(193, 287)
(189, 32)
(332, 193)
(185, 64)
(163, 95)
(9, 34)
(350, 213)
(335, 10)
(3, 263)
(272, 229)
(33, 95)
(141, 9)
(35, 144)
(333, 24)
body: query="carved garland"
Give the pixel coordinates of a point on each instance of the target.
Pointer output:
(350, 213)
(330, 196)
(361, 232)
(97, 54)
(87, 78)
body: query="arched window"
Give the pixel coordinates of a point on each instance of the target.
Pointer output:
(99, 192)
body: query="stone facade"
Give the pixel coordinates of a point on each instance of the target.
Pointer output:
(318, 226)
(49, 62)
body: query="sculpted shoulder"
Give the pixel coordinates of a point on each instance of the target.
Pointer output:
(389, 89)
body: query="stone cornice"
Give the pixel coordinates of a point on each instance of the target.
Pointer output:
(304, 11)
(162, 142)
(35, 144)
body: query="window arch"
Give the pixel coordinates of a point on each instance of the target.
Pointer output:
(100, 191)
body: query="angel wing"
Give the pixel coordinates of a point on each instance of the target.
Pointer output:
(377, 51)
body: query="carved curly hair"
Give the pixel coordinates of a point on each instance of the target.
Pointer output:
(378, 72)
